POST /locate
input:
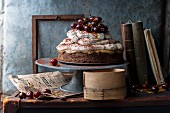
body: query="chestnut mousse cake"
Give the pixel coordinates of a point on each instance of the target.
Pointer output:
(89, 41)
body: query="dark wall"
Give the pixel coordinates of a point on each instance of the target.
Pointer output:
(165, 42)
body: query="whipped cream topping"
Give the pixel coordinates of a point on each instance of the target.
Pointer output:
(67, 41)
(83, 34)
(87, 41)
(72, 33)
(78, 41)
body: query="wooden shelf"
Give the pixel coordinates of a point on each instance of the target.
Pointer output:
(140, 100)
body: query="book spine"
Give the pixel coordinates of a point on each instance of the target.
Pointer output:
(155, 64)
(157, 59)
(129, 53)
(151, 56)
(140, 55)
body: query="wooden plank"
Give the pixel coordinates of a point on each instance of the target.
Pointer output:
(34, 44)
(141, 99)
(68, 17)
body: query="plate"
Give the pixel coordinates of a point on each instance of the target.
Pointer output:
(90, 64)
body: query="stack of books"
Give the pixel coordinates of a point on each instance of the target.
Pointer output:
(137, 42)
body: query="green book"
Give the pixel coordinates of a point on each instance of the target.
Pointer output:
(140, 51)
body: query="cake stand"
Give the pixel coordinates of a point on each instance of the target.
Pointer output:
(76, 83)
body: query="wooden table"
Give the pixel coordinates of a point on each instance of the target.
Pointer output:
(140, 103)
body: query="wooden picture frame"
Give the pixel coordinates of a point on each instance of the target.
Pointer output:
(35, 21)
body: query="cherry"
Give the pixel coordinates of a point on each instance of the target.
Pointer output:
(87, 28)
(29, 94)
(47, 91)
(155, 89)
(53, 62)
(144, 86)
(85, 20)
(80, 21)
(73, 25)
(101, 25)
(22, 95)
(98, 19)
(80, 27)
(93, 24)
(37, 94)
(165, 86)
(92, 18)
(96, 29)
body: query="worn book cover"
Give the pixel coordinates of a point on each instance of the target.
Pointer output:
(140, 52)
(155, 64)
(129, 53)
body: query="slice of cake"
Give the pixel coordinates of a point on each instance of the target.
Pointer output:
(89, 41)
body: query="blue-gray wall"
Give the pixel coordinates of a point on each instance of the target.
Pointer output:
(1, 39)
(17, 38)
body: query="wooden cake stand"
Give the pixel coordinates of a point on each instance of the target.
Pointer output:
(76, 83)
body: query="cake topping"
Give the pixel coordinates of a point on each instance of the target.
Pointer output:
(89, 34)
(90, 25)
(71, 33)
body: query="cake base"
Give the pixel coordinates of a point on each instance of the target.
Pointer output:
(80, 58)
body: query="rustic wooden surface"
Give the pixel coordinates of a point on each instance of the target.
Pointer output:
(141, 100)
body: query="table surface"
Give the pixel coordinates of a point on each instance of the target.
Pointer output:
(140, 99)
(141, 103)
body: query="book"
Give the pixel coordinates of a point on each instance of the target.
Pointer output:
(140, 53)
(129, 53)
(153, 56)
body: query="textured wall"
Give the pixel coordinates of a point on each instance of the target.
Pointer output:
(18, 31)
(1, 39)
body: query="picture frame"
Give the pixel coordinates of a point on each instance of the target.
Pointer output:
(36, 19)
